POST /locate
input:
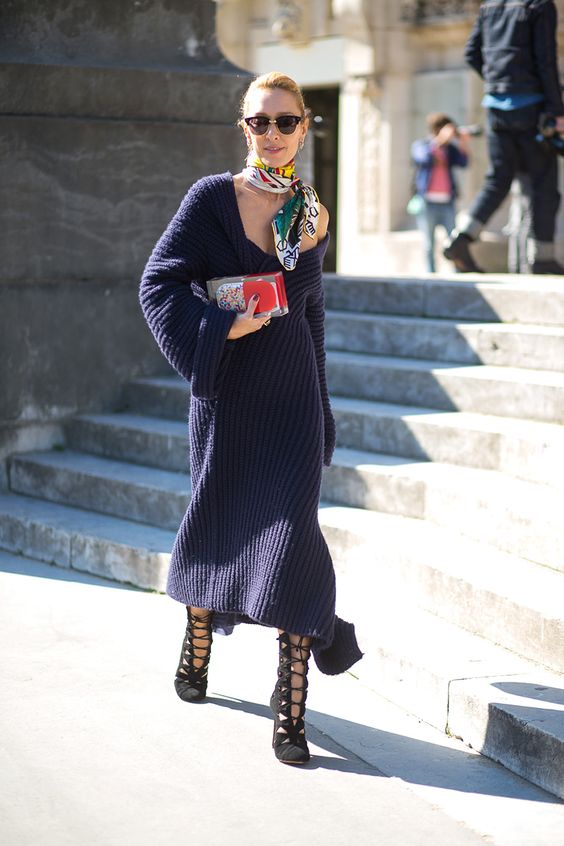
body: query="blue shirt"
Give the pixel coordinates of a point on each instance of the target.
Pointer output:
(509, 102)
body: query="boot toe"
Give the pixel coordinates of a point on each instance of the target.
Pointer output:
(188, 692)
(292, 753)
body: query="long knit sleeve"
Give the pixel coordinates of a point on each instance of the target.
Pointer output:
(190, 332)
(315, 314)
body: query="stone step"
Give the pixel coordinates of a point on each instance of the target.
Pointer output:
(500, 608)
(501, 597)
(504, 298)
(522, 448)
(158, 396)
(411, 656)
(84, 540)
(519, 517)
(523, 518)
(438, 672)
(417, 385)
(457, 681)
(484, 389)
(516, 720)
(135, 492)
(506, 345)
(150, 441)
(525, 449)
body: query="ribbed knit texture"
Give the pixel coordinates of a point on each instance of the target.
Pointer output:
(250, 547)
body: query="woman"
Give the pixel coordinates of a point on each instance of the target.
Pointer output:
(434, 158)
(250, 548)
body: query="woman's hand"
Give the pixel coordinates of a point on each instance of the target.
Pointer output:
(245, 323)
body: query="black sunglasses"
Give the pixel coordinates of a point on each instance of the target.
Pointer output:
(285, 123)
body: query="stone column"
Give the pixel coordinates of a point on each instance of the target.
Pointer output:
(349, 168)
(109, 112)
(396, 143)
(370, 177)
(359, 136)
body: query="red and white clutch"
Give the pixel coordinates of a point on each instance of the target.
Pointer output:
(232, 293)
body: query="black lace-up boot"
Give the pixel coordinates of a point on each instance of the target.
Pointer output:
(191, 680)
(289, 698)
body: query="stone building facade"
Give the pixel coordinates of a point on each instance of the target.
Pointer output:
(386, 64)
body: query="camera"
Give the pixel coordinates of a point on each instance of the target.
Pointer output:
(547, 133)
(473, 129)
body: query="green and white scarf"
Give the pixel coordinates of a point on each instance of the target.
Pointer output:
(298, 215)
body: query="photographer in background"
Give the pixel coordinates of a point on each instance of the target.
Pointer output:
(434, 158)
(513, 47)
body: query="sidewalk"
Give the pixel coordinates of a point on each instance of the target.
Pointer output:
(97, 749)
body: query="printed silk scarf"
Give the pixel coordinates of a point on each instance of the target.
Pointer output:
(299, 213)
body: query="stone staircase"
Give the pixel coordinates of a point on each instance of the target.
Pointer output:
(443, 509)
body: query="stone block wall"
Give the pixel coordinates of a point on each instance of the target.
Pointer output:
(109, 113)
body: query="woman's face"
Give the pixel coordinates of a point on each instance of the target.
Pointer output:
(274, 148)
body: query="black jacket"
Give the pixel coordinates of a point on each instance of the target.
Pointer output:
(513, 47)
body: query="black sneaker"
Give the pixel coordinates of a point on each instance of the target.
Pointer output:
(549, 266)
(457, 250)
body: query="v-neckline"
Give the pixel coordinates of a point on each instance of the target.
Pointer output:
(242, 225)
(253, 243)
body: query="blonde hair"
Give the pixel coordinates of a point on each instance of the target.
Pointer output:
(272, 81)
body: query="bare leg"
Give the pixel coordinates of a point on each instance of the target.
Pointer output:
(202, 618)
(300, 649)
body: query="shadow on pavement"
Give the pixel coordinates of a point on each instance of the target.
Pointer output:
(342, 759)
(423, 763)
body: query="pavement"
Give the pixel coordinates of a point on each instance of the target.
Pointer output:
(96, 748)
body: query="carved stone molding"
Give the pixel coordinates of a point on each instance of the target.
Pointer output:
(370, 120)
(290, 25)
(421, 12)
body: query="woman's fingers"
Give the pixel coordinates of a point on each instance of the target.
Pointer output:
(256, 322)
(253, 302)
(246, 322)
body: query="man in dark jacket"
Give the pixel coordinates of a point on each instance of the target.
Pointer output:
(513, 47)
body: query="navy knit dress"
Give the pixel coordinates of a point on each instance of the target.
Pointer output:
(249, 547)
